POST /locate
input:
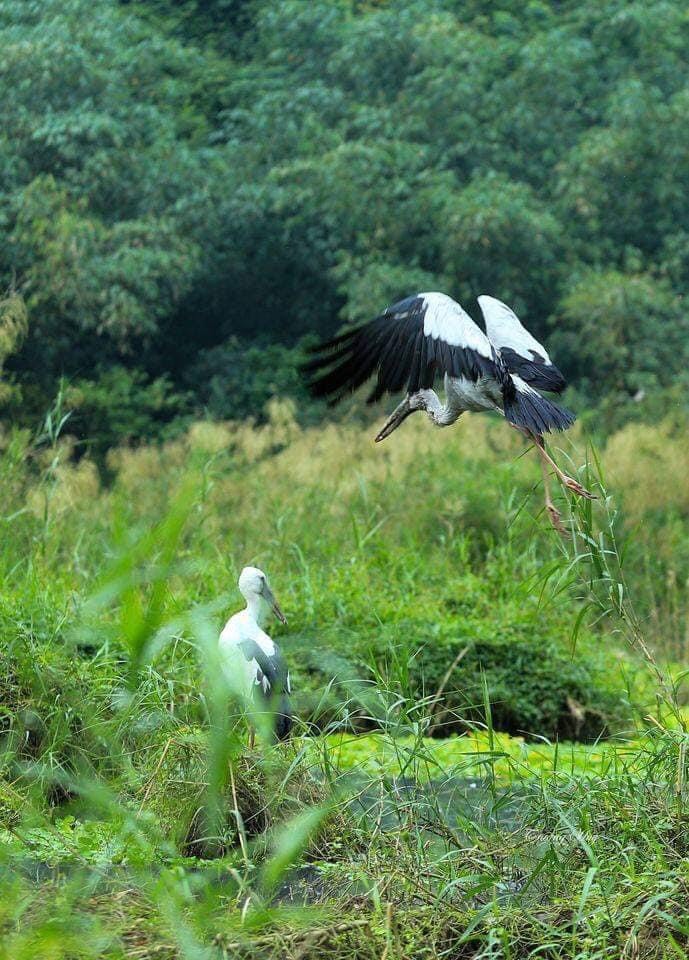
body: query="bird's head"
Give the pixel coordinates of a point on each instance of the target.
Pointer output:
(253, 585)
(411, 403)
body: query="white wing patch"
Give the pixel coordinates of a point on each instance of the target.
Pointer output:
(446, 320)
(505, 329)
(264, 642)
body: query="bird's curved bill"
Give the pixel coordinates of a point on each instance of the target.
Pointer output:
(398, 415)
(274, 605)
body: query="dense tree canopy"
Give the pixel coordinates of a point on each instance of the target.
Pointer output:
(189, 189)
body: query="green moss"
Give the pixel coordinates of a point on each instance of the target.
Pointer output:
(478, 754)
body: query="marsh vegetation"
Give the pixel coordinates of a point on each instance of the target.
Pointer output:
(530, 798)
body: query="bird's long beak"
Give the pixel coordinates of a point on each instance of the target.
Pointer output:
(274, 605)
(398, 415)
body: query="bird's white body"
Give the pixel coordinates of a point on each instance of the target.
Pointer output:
(239, 629)
(446, 320)
(251, 660)
(462, 394)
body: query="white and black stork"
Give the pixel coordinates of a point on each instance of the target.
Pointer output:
(251, 659)
(429, 335)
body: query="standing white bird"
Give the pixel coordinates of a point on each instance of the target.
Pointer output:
(429, 335)
(252, 658)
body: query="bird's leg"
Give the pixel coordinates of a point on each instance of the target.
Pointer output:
(252, 737)
(569, 482)
(552, 511)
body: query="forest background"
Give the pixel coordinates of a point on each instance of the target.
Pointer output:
(191, 192)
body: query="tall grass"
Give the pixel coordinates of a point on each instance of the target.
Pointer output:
(135, 822)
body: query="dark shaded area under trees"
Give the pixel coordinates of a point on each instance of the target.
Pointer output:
(187, 190)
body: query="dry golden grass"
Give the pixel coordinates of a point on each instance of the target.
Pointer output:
(646, 466)
(649, 466)
(272, 493)
(72, 487)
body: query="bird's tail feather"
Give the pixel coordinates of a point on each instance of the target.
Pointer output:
(530, 411)
(283, 718)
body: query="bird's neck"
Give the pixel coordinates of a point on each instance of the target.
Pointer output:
(254, 608)
(441, 414)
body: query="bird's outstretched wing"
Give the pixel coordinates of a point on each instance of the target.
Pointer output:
(522, 353)
(412, 342)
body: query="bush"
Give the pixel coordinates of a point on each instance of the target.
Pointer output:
(536, 684)
(54, 705)
(534, 687)
(237, 379)
(119, 406)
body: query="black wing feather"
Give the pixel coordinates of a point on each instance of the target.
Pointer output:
(273, 666)
(355, 362)
(388, 372)
(415, 365)
(536, 372)
(394, 345)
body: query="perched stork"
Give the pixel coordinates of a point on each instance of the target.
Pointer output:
(250, 656)
(429, 335)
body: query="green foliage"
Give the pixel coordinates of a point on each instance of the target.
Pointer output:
(91, 208)
(13, 328)
(239, 377)
(13, 324)
(630, 335)
(223, 22)
(500, 237)
(134, 822)
(117, 279)
(509, 758)
(619, 184)
(537, 686)
(191, 182)
(118, 406)
(533, 684)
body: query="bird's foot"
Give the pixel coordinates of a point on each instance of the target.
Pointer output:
(577, 488)
(555, 518)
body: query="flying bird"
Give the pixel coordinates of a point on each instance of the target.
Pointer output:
(429, 335)
(252, 658)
